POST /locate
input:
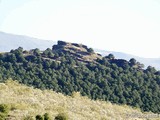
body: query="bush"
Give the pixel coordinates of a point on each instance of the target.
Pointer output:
(46, 116)
(61, 116)
(90, 50)
(39, 117)
(4, 108)
(2, 116)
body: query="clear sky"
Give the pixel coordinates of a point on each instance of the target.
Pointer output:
(130, 26)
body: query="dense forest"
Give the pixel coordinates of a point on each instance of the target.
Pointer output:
(106, 78)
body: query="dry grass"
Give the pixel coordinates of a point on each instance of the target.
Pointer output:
(25, 101)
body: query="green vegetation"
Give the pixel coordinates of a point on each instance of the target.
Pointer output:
(107, 78)
(27, 103)
(61, 116)
(47, 117)
(4, 109)
(44, 117)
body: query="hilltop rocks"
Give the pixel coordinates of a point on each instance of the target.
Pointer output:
(81, 52)
(73, 46)
(62, 42)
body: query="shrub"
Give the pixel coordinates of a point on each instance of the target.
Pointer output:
(39, 117)
(61, 116)
(46, 116)
(2, 116)
(4, 108)
(90, 50)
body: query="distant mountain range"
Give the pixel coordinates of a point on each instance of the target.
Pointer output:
(11, 41)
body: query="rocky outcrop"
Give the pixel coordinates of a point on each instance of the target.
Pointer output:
(80, 51)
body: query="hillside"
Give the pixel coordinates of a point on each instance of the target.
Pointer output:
(72, 67)
(26, 102)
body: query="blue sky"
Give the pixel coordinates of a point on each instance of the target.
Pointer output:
(130, 26)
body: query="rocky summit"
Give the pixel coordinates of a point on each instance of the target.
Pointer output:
(80, 51)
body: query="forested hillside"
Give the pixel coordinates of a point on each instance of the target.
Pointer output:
(70, 67)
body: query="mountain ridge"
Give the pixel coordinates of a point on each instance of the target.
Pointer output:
(7, 44)
(11, 41)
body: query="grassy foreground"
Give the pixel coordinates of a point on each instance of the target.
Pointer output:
(26, 101)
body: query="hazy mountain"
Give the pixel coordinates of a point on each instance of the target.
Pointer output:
(11, 41)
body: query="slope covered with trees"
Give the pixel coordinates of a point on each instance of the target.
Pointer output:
(70, 67)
